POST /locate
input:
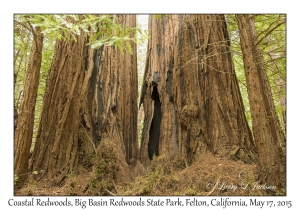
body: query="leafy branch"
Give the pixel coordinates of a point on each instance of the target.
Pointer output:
(29, 29)
(101, 29)
(269, 32)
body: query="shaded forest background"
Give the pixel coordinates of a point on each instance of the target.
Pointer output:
(99, 100)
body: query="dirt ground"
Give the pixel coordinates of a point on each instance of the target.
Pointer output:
(209, 176)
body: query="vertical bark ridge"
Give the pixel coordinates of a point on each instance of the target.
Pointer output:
(201, 105)
(25, 120)
(90, 98)
(266, 129)
(57, 139)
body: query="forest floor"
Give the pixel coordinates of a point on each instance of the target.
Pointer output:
(211, 176)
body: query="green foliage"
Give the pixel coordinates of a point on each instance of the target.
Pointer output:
(108, 32)
(102, 29)
(160, 16)
(238, 64)
(16, 178)
(149, 182)
(22, 40)
(271, 38)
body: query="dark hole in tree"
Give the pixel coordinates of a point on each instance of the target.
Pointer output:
(153, 145)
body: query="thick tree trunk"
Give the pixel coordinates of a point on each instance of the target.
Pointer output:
(265, 124)
(84, 107)
(128, 92)
(25, 118)
(110, 110)
(190, 92)
(56, 144)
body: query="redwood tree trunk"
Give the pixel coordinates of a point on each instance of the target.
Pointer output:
(128, 92)
(190, 91)
(265, 124)
(112, 93)
(110, 110)
(85, 104)
(25, 118)
(56, 144)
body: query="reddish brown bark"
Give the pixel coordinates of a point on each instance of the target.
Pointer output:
(191, 67)
(128, 92)
(90, 102)
(114, 80)
(25, 118)
(265, 124)
(56, 144)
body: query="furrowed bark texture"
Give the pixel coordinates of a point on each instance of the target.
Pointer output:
(128, 92)
(265, 123)
(283, 104)
(25, 118)
(110, 111)
(190, 92)
(56, 145)
(88, 96)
